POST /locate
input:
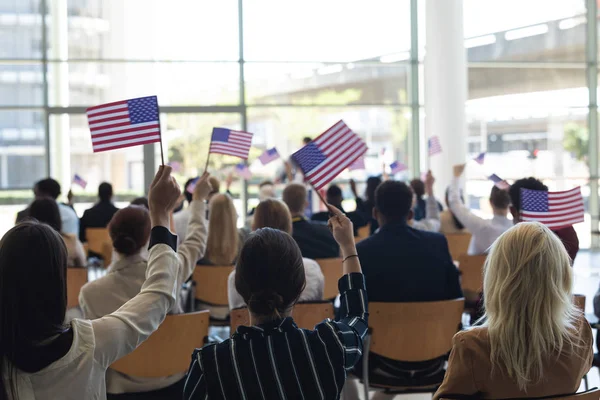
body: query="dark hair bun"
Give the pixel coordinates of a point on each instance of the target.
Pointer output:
(266, 303)
(125, 245)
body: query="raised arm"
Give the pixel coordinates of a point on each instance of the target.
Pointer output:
(119, 333)
(352, 325)
(194, 245)
(431, 222)
(471, 221)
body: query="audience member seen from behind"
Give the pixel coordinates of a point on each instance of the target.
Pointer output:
(534, 341)
(45, 359)
(449, 224)
(404, 264)
(50, 188)
(101, 213)
(313, 238)
(431, 222)
(130, 231)
(46, 210)
(182, 218)
(270, 277)
(24, 214)
(366, 206)
(223, 244)
(272, 213)
(484, 231)
(140, 201)
(335, 198)
(567, 235)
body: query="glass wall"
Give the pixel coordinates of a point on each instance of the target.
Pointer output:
(284, 70)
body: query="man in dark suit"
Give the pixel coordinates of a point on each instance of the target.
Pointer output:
(314, 238)
(334, 197)
(101, 213)
(24, 214)
(402, 264)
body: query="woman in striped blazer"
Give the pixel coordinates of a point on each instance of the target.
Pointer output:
(273, 358)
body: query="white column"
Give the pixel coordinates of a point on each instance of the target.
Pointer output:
(445, 87)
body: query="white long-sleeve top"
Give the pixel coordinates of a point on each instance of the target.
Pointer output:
(484, 231)
(80, 374)
(431, 222)
(124, 280)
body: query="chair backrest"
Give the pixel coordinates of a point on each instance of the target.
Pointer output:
(579, 301)
(167, 351)
(211, 284)
(458, 244)
(76, 278)
(414, 331)
(362, 233)
(98, 241)
(332, 271)
(306, 315)
(471, 269)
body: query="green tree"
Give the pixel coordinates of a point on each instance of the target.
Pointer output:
(576, 141)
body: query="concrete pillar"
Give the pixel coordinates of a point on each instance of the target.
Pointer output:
(445, 87)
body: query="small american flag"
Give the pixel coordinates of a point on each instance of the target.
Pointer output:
(553, 209)
(79, 181)
(230, 142)
(434, 145)
(499, 182)
(268, 156)
(192, 185)
(329, 154)
(358, 164)
(480, 158)
(242, 170)
(124, 123)
(397, 166)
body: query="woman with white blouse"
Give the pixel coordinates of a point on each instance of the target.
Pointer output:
(44, 359)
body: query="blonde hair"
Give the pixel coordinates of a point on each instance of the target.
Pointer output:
(222, 246)
(529, 308)
(272, 213)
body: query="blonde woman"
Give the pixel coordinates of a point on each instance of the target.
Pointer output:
(223, 244)
(534, 341)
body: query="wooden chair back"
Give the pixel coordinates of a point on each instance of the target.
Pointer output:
(76, 278)
(414, 331)
(98, 241)
(458, 244)
(579, 301)
(471, 272)
(306, 315)
(211, 284)
(332, 271)
(168, 350)
(362, 233)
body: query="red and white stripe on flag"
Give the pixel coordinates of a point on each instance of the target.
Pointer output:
(124, 123)
(329, 154)
(553, 209)
(230, 142)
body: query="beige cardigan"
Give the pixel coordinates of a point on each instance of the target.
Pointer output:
(124, 280)
(470, 369)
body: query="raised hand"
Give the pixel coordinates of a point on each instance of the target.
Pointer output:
(353, 187)
(342, 229)
(429, 181)
(203, 188)
(459, 169)
(163, 196)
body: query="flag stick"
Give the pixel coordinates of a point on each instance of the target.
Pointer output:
(321, 198)
(207, 159)
(162, 155)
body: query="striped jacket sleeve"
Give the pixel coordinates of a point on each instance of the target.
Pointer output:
(195, 383)
(352, 326)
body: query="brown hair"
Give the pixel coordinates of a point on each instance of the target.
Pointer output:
(223, 241)
(272, 213)
(270, 272)
(129, 229)
(499, 198)
(214, 184)
(294, 195)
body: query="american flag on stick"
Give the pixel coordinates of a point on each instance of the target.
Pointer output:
(268, 156)
(553, 209)
(79, 181)
(124, 123)
(243, 171)
(397, 166)
(230, 142)
(499, 182)
(434, 145)
(329, 154)
(480, 159)
(357, 165)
